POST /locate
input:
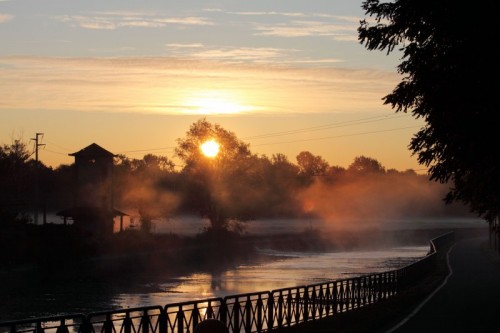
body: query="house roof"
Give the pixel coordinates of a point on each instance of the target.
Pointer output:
(93, 150)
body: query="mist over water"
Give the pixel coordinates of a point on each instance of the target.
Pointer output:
(285, 269)
(274, 269)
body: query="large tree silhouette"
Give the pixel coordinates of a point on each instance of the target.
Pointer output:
(447, 68)
(218, 187)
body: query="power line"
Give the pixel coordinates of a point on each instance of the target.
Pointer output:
(327, 126)
(61, 147)
(336, 136)
(166, 150)
(276, 134)
(146, 150)
(55, 152)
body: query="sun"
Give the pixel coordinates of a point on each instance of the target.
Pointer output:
(210, 148)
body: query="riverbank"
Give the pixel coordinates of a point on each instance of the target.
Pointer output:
(58, 253)
(90, 285)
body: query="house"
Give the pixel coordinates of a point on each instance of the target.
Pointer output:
(93, 211)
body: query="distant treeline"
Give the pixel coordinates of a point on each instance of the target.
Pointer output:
(235, 186)
(243, 187)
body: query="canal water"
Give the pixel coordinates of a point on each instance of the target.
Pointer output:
(286, 269)
(280, 269)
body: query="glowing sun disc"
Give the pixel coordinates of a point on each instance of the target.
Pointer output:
(210, 148)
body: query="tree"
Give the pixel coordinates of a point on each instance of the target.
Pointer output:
(447, 81)
(282, 183)
(219, 187)
(311, 165)
(145, 185)
(17, 182)
(365, 165)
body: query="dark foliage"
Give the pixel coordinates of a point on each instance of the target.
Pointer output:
(447, 66)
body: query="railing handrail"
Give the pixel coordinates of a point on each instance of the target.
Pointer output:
(250, 312)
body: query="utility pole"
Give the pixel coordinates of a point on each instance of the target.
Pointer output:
(37, 177)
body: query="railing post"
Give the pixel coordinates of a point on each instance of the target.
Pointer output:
(382, 284)
(127, 323)
(236, 316)
(305, 301)
(280, 310)
(108, 324)
(341, 298)
(86, 326)
(259, 307)
(248, 315)
(162, 321)
(62, 327)
(180, 320)
(362, 290)
(223, 312)
(145, 322)
(270, 312)
(321, 302)
(195, 315)
(335, 298)
(210, 310)
(357, 294)
(39, 328)
(327, 298)
(351, 293)
(289, 300)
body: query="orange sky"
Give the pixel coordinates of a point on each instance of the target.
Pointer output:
(134, 78)
(134, 104)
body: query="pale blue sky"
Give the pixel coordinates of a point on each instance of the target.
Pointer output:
(133, 75)
(299, 32)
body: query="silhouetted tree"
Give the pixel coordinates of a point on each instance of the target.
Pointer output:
(311, 166)
(17, 182)
(218, 187)
(145, 186)
(282, 183)
(447, 65)
(56, 187)
(363, 165)
(334, 174)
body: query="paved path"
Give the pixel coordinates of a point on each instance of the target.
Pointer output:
(469, 301)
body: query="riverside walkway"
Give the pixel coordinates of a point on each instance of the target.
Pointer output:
(468, 300)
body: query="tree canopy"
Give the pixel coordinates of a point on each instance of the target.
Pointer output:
(447, 68)
(218, 185)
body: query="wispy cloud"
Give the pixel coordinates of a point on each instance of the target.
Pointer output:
(111, 21)
(268, 14)
(305, 28)
(230, 54)
(160, 85)
(342, 28)
(317, 61)
(5, 17)
(342, 18)
(185, 46)
(240, 54)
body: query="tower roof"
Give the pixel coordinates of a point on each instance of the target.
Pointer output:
(93, 150)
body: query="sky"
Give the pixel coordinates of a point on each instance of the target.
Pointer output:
(285, 76)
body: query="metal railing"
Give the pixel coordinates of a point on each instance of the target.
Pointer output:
(264, 311)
